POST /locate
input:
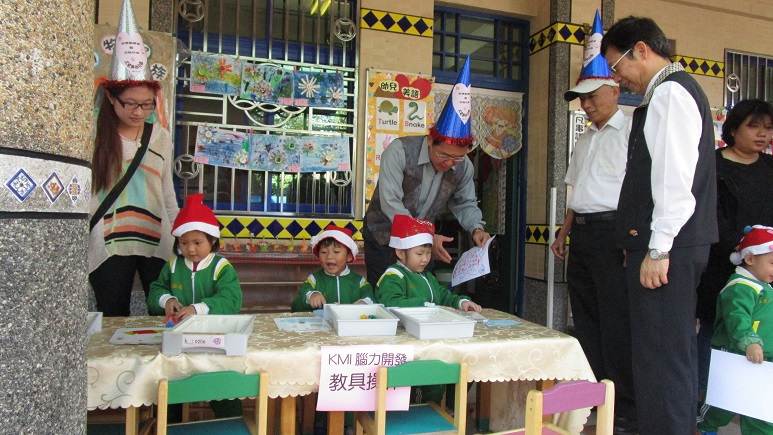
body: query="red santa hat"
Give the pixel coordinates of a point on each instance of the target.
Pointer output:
(342, 235)
(408, 232)
(196, 216)
(758, 240)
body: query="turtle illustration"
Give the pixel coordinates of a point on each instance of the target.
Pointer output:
(387, 107)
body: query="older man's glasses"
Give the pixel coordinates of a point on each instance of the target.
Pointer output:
(446, 157)
(613, 67)
(134, 106)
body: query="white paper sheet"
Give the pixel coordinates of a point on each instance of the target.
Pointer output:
(737, 385)
(471, 264)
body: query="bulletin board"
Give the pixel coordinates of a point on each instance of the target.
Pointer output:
(397, 104)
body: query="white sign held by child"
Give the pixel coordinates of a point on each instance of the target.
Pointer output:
(472, 264)
(737, 385)
(347, 379)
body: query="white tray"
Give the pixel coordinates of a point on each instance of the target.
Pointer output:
(347, 321)
(226, 334)
(434, 322)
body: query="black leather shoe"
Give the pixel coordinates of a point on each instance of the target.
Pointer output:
(625, 426)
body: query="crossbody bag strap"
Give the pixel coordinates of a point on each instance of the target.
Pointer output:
(119, 187)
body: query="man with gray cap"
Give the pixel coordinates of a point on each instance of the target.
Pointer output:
(595, 272)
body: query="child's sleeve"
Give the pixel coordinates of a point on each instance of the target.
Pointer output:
(738, 303)
(159, 288)
(227, 298)
(300, 303)
(444, 296)
(393, 292)
(366, 291)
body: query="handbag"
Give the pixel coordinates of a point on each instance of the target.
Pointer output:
(121, 184)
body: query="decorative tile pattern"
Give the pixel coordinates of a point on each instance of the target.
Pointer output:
(540, 234)
(694, 65)
(396, 23)
(575, 34)
(53, 187)
(281, 228)
(21, 185)
(74, 189)
(557, 32)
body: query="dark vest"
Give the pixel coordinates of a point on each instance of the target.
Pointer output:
(378, 223)
(635, 206)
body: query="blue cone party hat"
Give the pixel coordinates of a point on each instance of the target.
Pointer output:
(595, 71)
(453, 125)
(130, 59)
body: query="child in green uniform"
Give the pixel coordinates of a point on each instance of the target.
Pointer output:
(744, 323)
(335, 282)
(407, 284)
(197, 280)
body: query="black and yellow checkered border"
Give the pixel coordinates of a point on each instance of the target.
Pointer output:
(705, 67)
(575, 34)
(557, 32)
(540, 234)
(245, 227)
(396, 23)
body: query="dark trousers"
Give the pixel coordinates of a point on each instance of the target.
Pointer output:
(599, 299)
(664, 343)
(113, 280)
(377, 257)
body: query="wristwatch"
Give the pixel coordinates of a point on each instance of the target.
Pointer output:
(658, 255)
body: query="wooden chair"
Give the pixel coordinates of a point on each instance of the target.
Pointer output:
(214, 386)
(568, 396)
(424, 418)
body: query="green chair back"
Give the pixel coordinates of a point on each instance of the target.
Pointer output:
(423, 372)
(203, 387)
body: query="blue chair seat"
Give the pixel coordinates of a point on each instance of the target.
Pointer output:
(418, 419)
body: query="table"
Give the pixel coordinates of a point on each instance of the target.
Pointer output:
(126, 376)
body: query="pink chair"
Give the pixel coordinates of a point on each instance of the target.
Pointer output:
(568, 396)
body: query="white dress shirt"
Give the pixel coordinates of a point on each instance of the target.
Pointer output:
(597, 167)
(673, 131)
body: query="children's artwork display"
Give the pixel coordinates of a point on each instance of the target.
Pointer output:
(267, 83)
(215, 74)
(472, 264)
(319, 89)
(261, 152)
(397, 104)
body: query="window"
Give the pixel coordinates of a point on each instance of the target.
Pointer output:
(747, 75)
(297, 35)
(498, 49)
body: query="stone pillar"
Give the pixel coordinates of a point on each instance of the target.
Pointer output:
(45, 153)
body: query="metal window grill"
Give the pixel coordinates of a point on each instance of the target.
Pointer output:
(747, 75)
(297, 35)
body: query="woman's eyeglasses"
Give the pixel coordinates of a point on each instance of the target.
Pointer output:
(134, 106)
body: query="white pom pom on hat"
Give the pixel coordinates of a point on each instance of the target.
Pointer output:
(756, 241)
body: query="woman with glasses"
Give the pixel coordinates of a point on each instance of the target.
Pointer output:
(131, 215)
(744, 197)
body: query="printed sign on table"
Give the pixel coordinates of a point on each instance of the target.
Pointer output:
(348, 377)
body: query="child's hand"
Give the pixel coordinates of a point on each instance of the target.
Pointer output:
(172, 306)
(470, 306)
(360, 302)
(185, 312)
(316, 300)
(754, 353)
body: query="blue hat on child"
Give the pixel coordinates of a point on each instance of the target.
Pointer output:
(595, 71)
(453, 125)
